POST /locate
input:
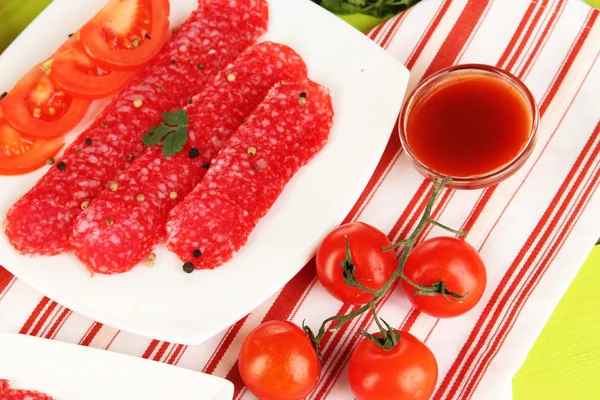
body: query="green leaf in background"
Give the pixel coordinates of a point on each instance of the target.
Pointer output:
(376, 8)
(15, 15)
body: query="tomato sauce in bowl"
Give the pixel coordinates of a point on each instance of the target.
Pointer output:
(475, 123)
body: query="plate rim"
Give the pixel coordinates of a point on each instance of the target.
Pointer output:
(240, 311)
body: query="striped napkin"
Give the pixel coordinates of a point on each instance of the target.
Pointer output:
(533, 230)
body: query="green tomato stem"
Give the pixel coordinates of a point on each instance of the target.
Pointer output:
(438, 288)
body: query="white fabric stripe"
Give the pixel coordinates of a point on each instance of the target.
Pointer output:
(128, 343)
(534, 37)
(103, 337)
(390, 199)
(196, 357)
(435, 42)
(523, 33)
(73, 329)
(530, 276)
(299, 306)
(466, 211)
(567, 122)
(419, 329)
(53, 318)
(391, 195)
(253, 320)
(449, 14)
(510, 301)
(550, 112)
(473, 34)
(413, 29)
(543, 300)
(533, 188)
(19, 297)
(552, 55)
(7, 288)
(545, 40)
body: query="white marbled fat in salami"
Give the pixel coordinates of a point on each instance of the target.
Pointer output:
(290, 126)
(154, 184)
(41, 222)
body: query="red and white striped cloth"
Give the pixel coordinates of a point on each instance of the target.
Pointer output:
(534, 230)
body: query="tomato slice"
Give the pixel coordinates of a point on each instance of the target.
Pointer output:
(37, 108)
(19, 155)
(75, 73)
(126, 34)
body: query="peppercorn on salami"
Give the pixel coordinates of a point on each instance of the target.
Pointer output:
(41, 222)
(289, 127)
(112, 235)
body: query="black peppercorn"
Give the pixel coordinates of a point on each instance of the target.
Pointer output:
(193, 153)
(188, 267)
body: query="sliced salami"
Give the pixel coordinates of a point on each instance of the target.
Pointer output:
(40, 223)
(8, 393)
(288, 128)
(156, 183)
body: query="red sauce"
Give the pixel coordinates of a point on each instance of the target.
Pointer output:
(469, 126)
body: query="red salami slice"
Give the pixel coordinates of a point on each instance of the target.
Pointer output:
(289, 127)
(7, 393)
(220, 228)
(41, 221)
(154, 184)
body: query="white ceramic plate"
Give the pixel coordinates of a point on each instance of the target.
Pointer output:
(91, 374)
(367, 86)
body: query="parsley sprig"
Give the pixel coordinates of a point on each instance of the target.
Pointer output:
(172, 132)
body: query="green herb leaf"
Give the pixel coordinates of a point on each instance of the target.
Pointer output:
(172, 133)
(175, 118)
(376, 8)
(340, 6)
(156, 134)
(175, 141)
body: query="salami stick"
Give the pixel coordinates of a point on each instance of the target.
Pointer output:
(289, 127)
(41, 222)
(144, 194)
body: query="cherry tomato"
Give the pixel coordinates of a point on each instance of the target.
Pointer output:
(373, 266)
(77, 75)
(452, 261)
(19, 155)
(126, 34)
(278, 362)
(37, 108)
(406, 371)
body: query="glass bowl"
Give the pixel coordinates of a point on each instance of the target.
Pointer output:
(445, 76)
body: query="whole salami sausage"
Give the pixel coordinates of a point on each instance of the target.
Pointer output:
(137, 206)
(289, 127)
(40, 223)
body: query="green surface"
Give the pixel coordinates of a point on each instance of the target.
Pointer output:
(594, 3)
(16, 15)
(564, 362)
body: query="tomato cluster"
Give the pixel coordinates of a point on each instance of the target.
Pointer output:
(279, 361)
(95, 62)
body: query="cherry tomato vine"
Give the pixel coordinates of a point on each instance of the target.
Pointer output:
(390, 336)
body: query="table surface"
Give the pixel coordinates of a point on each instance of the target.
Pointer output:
(563, 364)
